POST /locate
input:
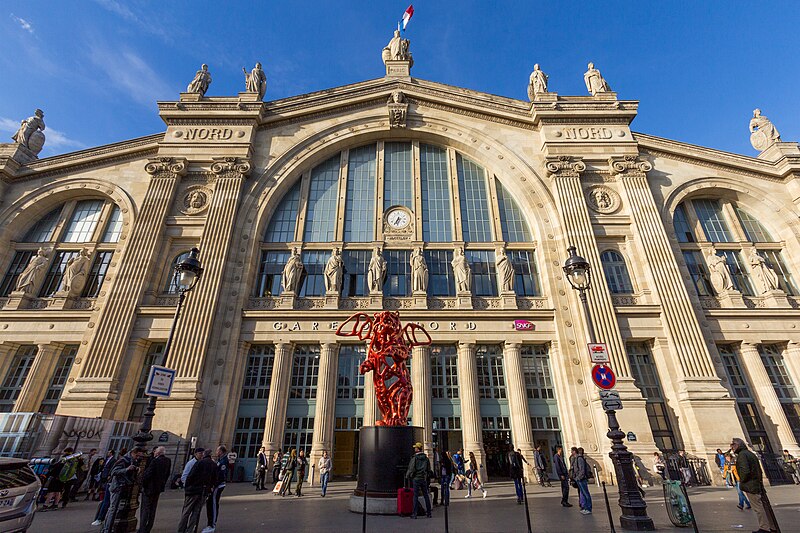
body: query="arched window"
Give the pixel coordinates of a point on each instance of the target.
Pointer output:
(515, 229)
(171, 286)
(95, 224)
(616, 271)
(282, 225)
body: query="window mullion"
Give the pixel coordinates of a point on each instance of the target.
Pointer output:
(380, 170)
(455, 203)
(416, 190)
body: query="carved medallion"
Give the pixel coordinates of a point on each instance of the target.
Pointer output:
(195, 200)
(603, 200)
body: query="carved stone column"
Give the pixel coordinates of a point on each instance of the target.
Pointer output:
(470, 404)
(422, 414)
(792, 359)
(370, 401)
(94, 391)
(775, 421)
(39, 377)
(326, 403)
(278, 397)
(521, 431)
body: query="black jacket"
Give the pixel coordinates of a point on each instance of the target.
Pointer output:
(202, 477)
(445, 465)
(156, 475)
(515, 470)
(561, 466)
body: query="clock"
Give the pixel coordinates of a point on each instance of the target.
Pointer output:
(398, 218)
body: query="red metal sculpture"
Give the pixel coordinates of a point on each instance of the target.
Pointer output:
(389, 349)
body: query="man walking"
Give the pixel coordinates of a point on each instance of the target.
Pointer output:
(563, 475)
(750, 481)
(201, 477)
(445, 476)
(123, 476)
(581, 476)
(105, 474)
(325, 465)
(541, 467)
(154, 480)
(719, 459)
(196, 456)
(418, 468)
(212, 506)
(261, 468)
(516, 472)
(790, 466)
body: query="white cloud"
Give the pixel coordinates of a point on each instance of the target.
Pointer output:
(55, 139)
(128, 72)
(24, 24)
(119, 8)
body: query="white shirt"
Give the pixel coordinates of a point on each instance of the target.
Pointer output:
(188, 468)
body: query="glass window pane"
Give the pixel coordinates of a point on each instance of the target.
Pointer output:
(281, 226)
(356, 263)
(18, 264)
(322, 201)
(269, 273)
(440, 273)
(398, 273)
(15, 377)
(43, 230)
(52, 280)
(739, 275)
(709, 213)
(63, 366)
(736, 378)
(616, 272)
(397, 175)
(774, 259)
(484, 277)
(526, 275)
(475, 220)
(114, 226)
(436, 216)
(258, 374)
(683, 231)
(312, 279)
(536, 369)
(491, 377)
(97, 274)
(171, 286)
(359, 218)
(752, 227)
(350, 384)
(84, 221)
(643, 370)
(772, 357)
(305, 368)
(515, 228)
(444, 372)
(698, 272)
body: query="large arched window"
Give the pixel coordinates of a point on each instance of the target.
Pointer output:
(706, 224)
(94, 224)
(441, 196)
(616, 271)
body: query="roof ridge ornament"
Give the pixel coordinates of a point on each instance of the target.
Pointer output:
(397, 57)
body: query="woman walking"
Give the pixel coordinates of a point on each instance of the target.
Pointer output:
(302, 463)
(744, 502)
(473, 478)
(277, 466)
(288, 473)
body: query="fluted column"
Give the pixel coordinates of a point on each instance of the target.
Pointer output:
(792, 358)
(370, 401)
(470, 404)
(278, 397)
(7, 351)
(93, 392)
(775, 422)
(521, 431)
(421, 382)
(38, 379)
(326, 403)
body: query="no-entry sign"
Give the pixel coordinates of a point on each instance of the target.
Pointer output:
(603, 377)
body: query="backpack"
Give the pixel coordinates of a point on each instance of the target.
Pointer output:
(68, 470)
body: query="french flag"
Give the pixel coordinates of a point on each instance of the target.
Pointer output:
(407, 16)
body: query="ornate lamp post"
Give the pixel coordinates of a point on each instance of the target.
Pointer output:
(634, 509)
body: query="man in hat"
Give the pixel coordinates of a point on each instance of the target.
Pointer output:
(418, 468)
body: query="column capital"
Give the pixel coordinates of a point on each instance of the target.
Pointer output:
(166, 167)
(512, 345)
(282, 345)
(466, 345)
(629, 166)
(564, 166)
(230, 167)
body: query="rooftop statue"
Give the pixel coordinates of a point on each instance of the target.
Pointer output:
(30, 133)
(201, 81)
(537, 83)
(763, 132)
(292, 271)
(397, 49)
(76, 274)
(595, 83)
(30, 277)
(720, 274)
(255, 81)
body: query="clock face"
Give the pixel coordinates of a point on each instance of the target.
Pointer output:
(398, 218)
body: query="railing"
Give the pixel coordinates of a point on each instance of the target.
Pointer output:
(773, 466)
(696, 469)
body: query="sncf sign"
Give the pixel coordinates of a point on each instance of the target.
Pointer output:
(524, 325)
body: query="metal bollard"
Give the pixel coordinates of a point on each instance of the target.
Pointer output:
(527, 511)
(768, 508)
(446, 505)
(364, 513)
(608, 508)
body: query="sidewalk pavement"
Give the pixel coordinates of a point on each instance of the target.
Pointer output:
(243, 510)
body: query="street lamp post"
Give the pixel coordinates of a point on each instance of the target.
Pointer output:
(634, 509)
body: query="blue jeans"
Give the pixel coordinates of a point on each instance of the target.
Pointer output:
(103, 508)
(743, 501)
(583, 491)
(421, 489)
(323, 479)
(445, 482)
(518, 488)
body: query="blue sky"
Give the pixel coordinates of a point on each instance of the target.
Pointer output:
(97, 67)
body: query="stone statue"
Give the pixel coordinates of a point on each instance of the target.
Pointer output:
(419, 271)
(397, 49)
(292, 271)
(398, 108)
(537, 83)
(766, 279)
(333, 272)
(377, 271)
(505, 271)
(255, 81)
(201, 81)
(595, 83)
(29, 278)
(30, 133)
(461, 271)
(763, 133)
(602, 199)
(75, 274)
(720, 274)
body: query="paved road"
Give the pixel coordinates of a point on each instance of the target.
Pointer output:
(243, 510)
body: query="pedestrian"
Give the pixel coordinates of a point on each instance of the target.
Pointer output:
(748, 467)
(719, 459)
(212, 505)
(54, 484)
(69, 474)
(446, 469)
(196, 456)
(659, 466)
(563, 475)
(581, 476)
(516, 472)
(683, 467)
(261, 469)
(458, 460)
(473, 477)
(744, 502)
(453, 469)
(541, 467)
(730, 466)
(790, 467)
(122, 478)
(201, 478)
(302, 463)
(154, 481)
(105, 474)
(288, 473)
(418, 468)
(277, 466)
(84, 464)
(325, 466)
(94, 479)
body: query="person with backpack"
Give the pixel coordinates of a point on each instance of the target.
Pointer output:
(581, 474)
(69, 474)
(516, 472)
(123, 477)
(748, 467)
(418, 470)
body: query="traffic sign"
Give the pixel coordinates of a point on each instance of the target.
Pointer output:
(610, 400)
(159, 382)
(598, 352)
(603, 377)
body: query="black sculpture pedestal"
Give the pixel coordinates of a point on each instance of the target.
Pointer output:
(383, 456)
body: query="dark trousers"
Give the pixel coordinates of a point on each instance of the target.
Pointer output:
(276, 473)
(212, 506)
(190, 516)
(421, 489)
(261, 474)
(113, 507)
(66, 494)
(147, 512)
(518, 488)
(564, 489)
(445, 482)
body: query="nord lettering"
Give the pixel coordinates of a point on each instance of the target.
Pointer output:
(575, 134)
(209, 134)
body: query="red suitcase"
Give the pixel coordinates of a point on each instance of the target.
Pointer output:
(405, 501)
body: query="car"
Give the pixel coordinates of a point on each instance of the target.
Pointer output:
(19, 487)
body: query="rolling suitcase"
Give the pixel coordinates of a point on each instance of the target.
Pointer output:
(405, 501)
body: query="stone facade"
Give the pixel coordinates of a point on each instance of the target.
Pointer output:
(577, 174)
